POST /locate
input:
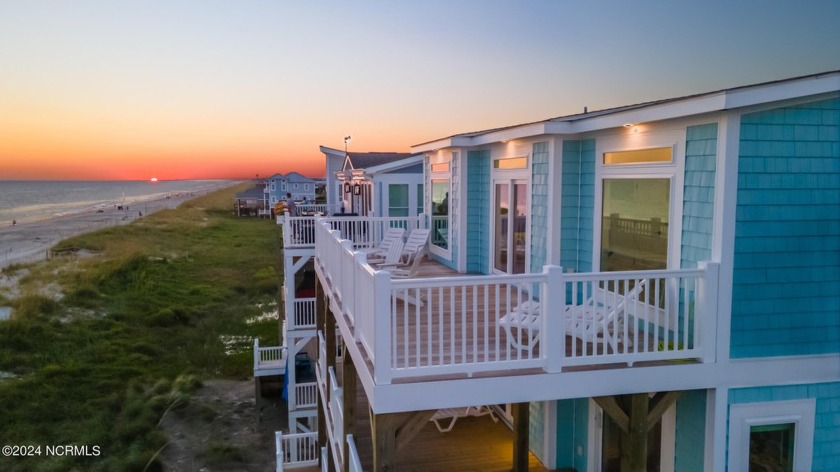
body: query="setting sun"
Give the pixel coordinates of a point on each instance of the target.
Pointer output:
(153, 179)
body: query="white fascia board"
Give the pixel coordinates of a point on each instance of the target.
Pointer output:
(331, 152)
(414, 396)
(454, 141)
(652, 113)
(394, 165)
(787, 370)
(509, 134)
(784, 91)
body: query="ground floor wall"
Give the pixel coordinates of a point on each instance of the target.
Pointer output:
(826, 425)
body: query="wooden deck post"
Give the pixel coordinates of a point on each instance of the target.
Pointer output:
(349, 380)
(521, 425)
(384, 430)
(635, 424)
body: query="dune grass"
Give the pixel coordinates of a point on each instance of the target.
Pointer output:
(102, 347)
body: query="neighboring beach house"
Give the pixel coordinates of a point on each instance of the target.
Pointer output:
(251, 202)
(649, 287)
(374, 183)
(278, 185)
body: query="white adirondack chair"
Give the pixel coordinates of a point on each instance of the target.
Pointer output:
(378, 253)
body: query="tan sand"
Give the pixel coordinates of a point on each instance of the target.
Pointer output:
(30, 242)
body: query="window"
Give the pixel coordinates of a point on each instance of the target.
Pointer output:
(776, 436)
(419, 199)
(639, 156)
(511, 163)
(634, 227)
(440, 167)
(397, 200)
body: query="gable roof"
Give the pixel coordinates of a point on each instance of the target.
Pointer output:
(296, 177)
(364, 160)
(731, 98)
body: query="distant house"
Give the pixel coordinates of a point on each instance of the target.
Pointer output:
(374, 183)
(275, 189)
(251, 202)
(301, 187)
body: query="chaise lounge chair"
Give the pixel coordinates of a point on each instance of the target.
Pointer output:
(599, 318)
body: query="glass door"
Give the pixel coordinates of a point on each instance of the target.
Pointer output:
(510, 226)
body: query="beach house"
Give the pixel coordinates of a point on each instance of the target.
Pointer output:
(649, 287)
(374, 183)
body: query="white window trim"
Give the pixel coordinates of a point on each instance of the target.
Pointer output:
(743, 416)
(509, 176)
(674, 171)
(440, 159)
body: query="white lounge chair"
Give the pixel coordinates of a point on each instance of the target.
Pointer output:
(416, 241)
(390, 237)
(392, 257)
(452, 415)
(600, 317)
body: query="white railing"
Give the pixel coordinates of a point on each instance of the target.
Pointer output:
(269, 360)
(295, 451)
(325, 465)
(364, 231)
(355, 462)
(305, 396)
(438, 326)
(304, 312)
(336, 414)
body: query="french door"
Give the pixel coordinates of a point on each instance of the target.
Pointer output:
(510, 240)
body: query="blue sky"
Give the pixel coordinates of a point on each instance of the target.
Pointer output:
(187, 89)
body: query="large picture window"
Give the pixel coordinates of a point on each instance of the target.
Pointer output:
(634, 229)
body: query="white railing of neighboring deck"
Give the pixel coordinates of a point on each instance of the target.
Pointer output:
(295, 451)
(269, 360)
(305, 396)
(355, 462)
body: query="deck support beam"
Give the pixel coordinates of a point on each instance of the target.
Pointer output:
(636, 414)
(521, 428)
(321, 314)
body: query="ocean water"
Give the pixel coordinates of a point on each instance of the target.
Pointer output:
(25, 201)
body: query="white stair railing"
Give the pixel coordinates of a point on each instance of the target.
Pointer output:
(295, 451)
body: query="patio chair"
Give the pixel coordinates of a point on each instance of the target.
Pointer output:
(452, 415)
(393, 257)
(416, 241)
(378, 253)
(600, 317)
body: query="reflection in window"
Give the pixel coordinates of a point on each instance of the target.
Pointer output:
(771, 447)
(440, 213)
(419, 199)
(634, 229)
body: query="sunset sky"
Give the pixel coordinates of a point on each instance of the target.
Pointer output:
(177, 89)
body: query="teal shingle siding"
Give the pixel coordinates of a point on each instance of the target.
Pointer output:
(698, 194)
(539, 205)
(572, 433)
(478, 208)
(827, 421)
(786, 281)
(536, 428)
(691, 430)
(578, 200)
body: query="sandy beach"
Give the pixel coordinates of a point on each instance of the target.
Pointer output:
(30, 242)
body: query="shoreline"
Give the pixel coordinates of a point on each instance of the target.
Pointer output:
(30, 241)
